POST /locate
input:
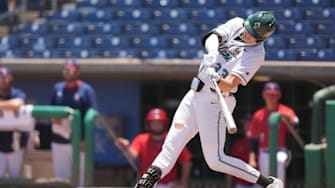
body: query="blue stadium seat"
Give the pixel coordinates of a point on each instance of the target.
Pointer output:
(282, 54)
(184, 42)
(301, 42)
(149, 42)
(207, 14)
(92, 3)
(9, 54)
(102, 28)
(319, 14)
(325, 28)
(140, 29)
(317, 55)
(118, 53)
(101, 15)
(9, 42)
(312, 3)
(204, 27)
(69, 42)
(74, 28)
(161, 4)
(237, 3)
(159, 54)
(72, 53)
(290, 13)
(275, 42)
(295, 28)
(198, 3)
(240, 12)
(273, 3)
(170, 28)
(35, 28)
(190, 54)
(131, 14)
(36, 43)
(330, 41)
(64, 15)
(173, 14)
(113, 42)
(125, 3)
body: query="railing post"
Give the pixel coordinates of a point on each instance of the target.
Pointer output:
(90, 116)
(75, 139)
(330, 150)
(274, 121)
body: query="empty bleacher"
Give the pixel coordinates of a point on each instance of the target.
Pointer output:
(169, 29)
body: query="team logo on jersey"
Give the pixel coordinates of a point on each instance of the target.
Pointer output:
(229, 53)
(76, 97)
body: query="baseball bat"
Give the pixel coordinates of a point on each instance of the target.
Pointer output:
(295, 134)
(231, 126)
(113, 137)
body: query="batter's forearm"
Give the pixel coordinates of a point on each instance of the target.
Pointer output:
(229, 83)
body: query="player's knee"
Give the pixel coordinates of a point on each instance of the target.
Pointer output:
(217, 164)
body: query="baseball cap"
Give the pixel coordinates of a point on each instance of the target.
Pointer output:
(5, 73)
(272, 88)
(71, 64)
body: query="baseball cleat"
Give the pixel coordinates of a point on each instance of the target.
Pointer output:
(277, 183)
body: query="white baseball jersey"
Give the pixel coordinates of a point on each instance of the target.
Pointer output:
(199, 111)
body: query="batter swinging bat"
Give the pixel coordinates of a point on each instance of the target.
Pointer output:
(231, 126)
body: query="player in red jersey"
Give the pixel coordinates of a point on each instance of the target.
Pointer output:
(146, 146)
(259, 130)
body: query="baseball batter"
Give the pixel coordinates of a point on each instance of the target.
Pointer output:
(235, 52)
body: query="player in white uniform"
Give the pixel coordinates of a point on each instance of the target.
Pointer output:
(235, 52)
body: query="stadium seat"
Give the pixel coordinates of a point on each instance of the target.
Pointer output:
(107, 42)
(74, 28)
(170, 28)
(207, 14)
(101, 15)
(237, 3)
(69, 42)
(149, 42)
(72, 53)
(282, 54)
(273, 3)
(131, 14)
(161, 4)
(275, 42)
(92, 3)
(198, 3)
(204, 27)
(239, 12)
(159, 54)
(319, 15)
(170, 14)
(301, 42)
(184, 42)
(64, 16)
(312, 3)
(102, 28)
(140, 29)
(330, 41)
(317, 55)
(295, 28)
(125, 3)
(36, 43)
(9, 42)
(35, 28)
(288, 13)
(325, 28)
(190, 54)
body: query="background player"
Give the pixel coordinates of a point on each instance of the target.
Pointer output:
(146, 147)
(12, 143)
(76, 94)
(259, 131)
(235, 52)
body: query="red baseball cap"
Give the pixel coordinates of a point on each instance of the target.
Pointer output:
(71, 64)
(272, 88)
(6, 73)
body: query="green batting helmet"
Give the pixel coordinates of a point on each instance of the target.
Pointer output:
(260, 25)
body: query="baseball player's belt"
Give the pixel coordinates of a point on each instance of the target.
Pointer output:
(197, 85)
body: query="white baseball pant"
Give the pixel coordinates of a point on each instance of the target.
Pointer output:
(12, 162)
